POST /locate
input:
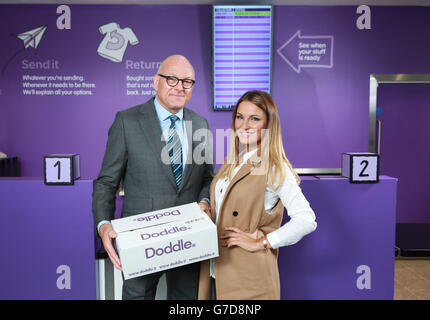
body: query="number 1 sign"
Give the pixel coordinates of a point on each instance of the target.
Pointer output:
(61, 169)
(360, 167)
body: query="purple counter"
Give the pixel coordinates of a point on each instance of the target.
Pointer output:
(351, 253)
(47, 241)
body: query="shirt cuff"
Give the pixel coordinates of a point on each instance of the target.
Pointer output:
(207, 200)
(102, 223)
(273, 240)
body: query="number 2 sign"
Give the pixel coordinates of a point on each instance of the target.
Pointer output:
(360, 167)
(61, 169)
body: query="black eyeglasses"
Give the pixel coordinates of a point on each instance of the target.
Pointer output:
(173, 81)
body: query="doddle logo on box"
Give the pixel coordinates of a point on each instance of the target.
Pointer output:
(146, 236)
(180, 245)
(158, 216)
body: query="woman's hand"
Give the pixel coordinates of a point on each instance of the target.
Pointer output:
(247, 241)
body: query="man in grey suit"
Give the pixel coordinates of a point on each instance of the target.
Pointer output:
(138, 142)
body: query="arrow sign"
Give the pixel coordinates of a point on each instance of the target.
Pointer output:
(307, 51)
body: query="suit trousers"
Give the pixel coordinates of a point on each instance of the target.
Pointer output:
(213, 289)
(182, 284)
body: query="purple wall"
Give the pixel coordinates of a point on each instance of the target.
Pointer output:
(324, 111)
(51, 124)
(405, 152)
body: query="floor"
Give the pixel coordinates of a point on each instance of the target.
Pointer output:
(412, 279)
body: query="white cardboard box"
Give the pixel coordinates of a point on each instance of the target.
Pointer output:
(164, 239)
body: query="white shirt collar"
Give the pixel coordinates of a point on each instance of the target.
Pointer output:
(163, 113)
(248, 155)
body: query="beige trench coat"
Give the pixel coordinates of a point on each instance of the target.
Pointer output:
(240, 274)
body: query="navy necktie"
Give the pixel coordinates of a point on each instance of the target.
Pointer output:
(175, 150)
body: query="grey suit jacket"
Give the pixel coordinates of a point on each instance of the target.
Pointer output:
(133, 153)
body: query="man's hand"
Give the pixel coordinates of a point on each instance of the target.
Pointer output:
(204, 206)
(107, 234)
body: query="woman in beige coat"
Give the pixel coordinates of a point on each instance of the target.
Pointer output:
(248, 196)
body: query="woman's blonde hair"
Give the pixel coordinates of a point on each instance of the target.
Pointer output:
(270, 148)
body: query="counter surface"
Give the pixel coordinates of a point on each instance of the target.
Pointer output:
(47, 241)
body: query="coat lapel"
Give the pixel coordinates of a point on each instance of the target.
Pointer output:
(190, 129)
(252, 163)
(243, 172)
(152, 130)
(212, 197)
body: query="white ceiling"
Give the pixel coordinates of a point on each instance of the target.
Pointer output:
(209, 2)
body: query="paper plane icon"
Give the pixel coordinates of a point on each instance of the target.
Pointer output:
(32, 38)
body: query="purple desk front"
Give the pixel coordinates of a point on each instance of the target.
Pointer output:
(351, 253)
(46, 240)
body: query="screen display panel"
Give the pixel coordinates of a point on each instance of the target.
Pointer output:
(242, 52)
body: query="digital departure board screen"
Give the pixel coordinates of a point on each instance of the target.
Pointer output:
(242, 52)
